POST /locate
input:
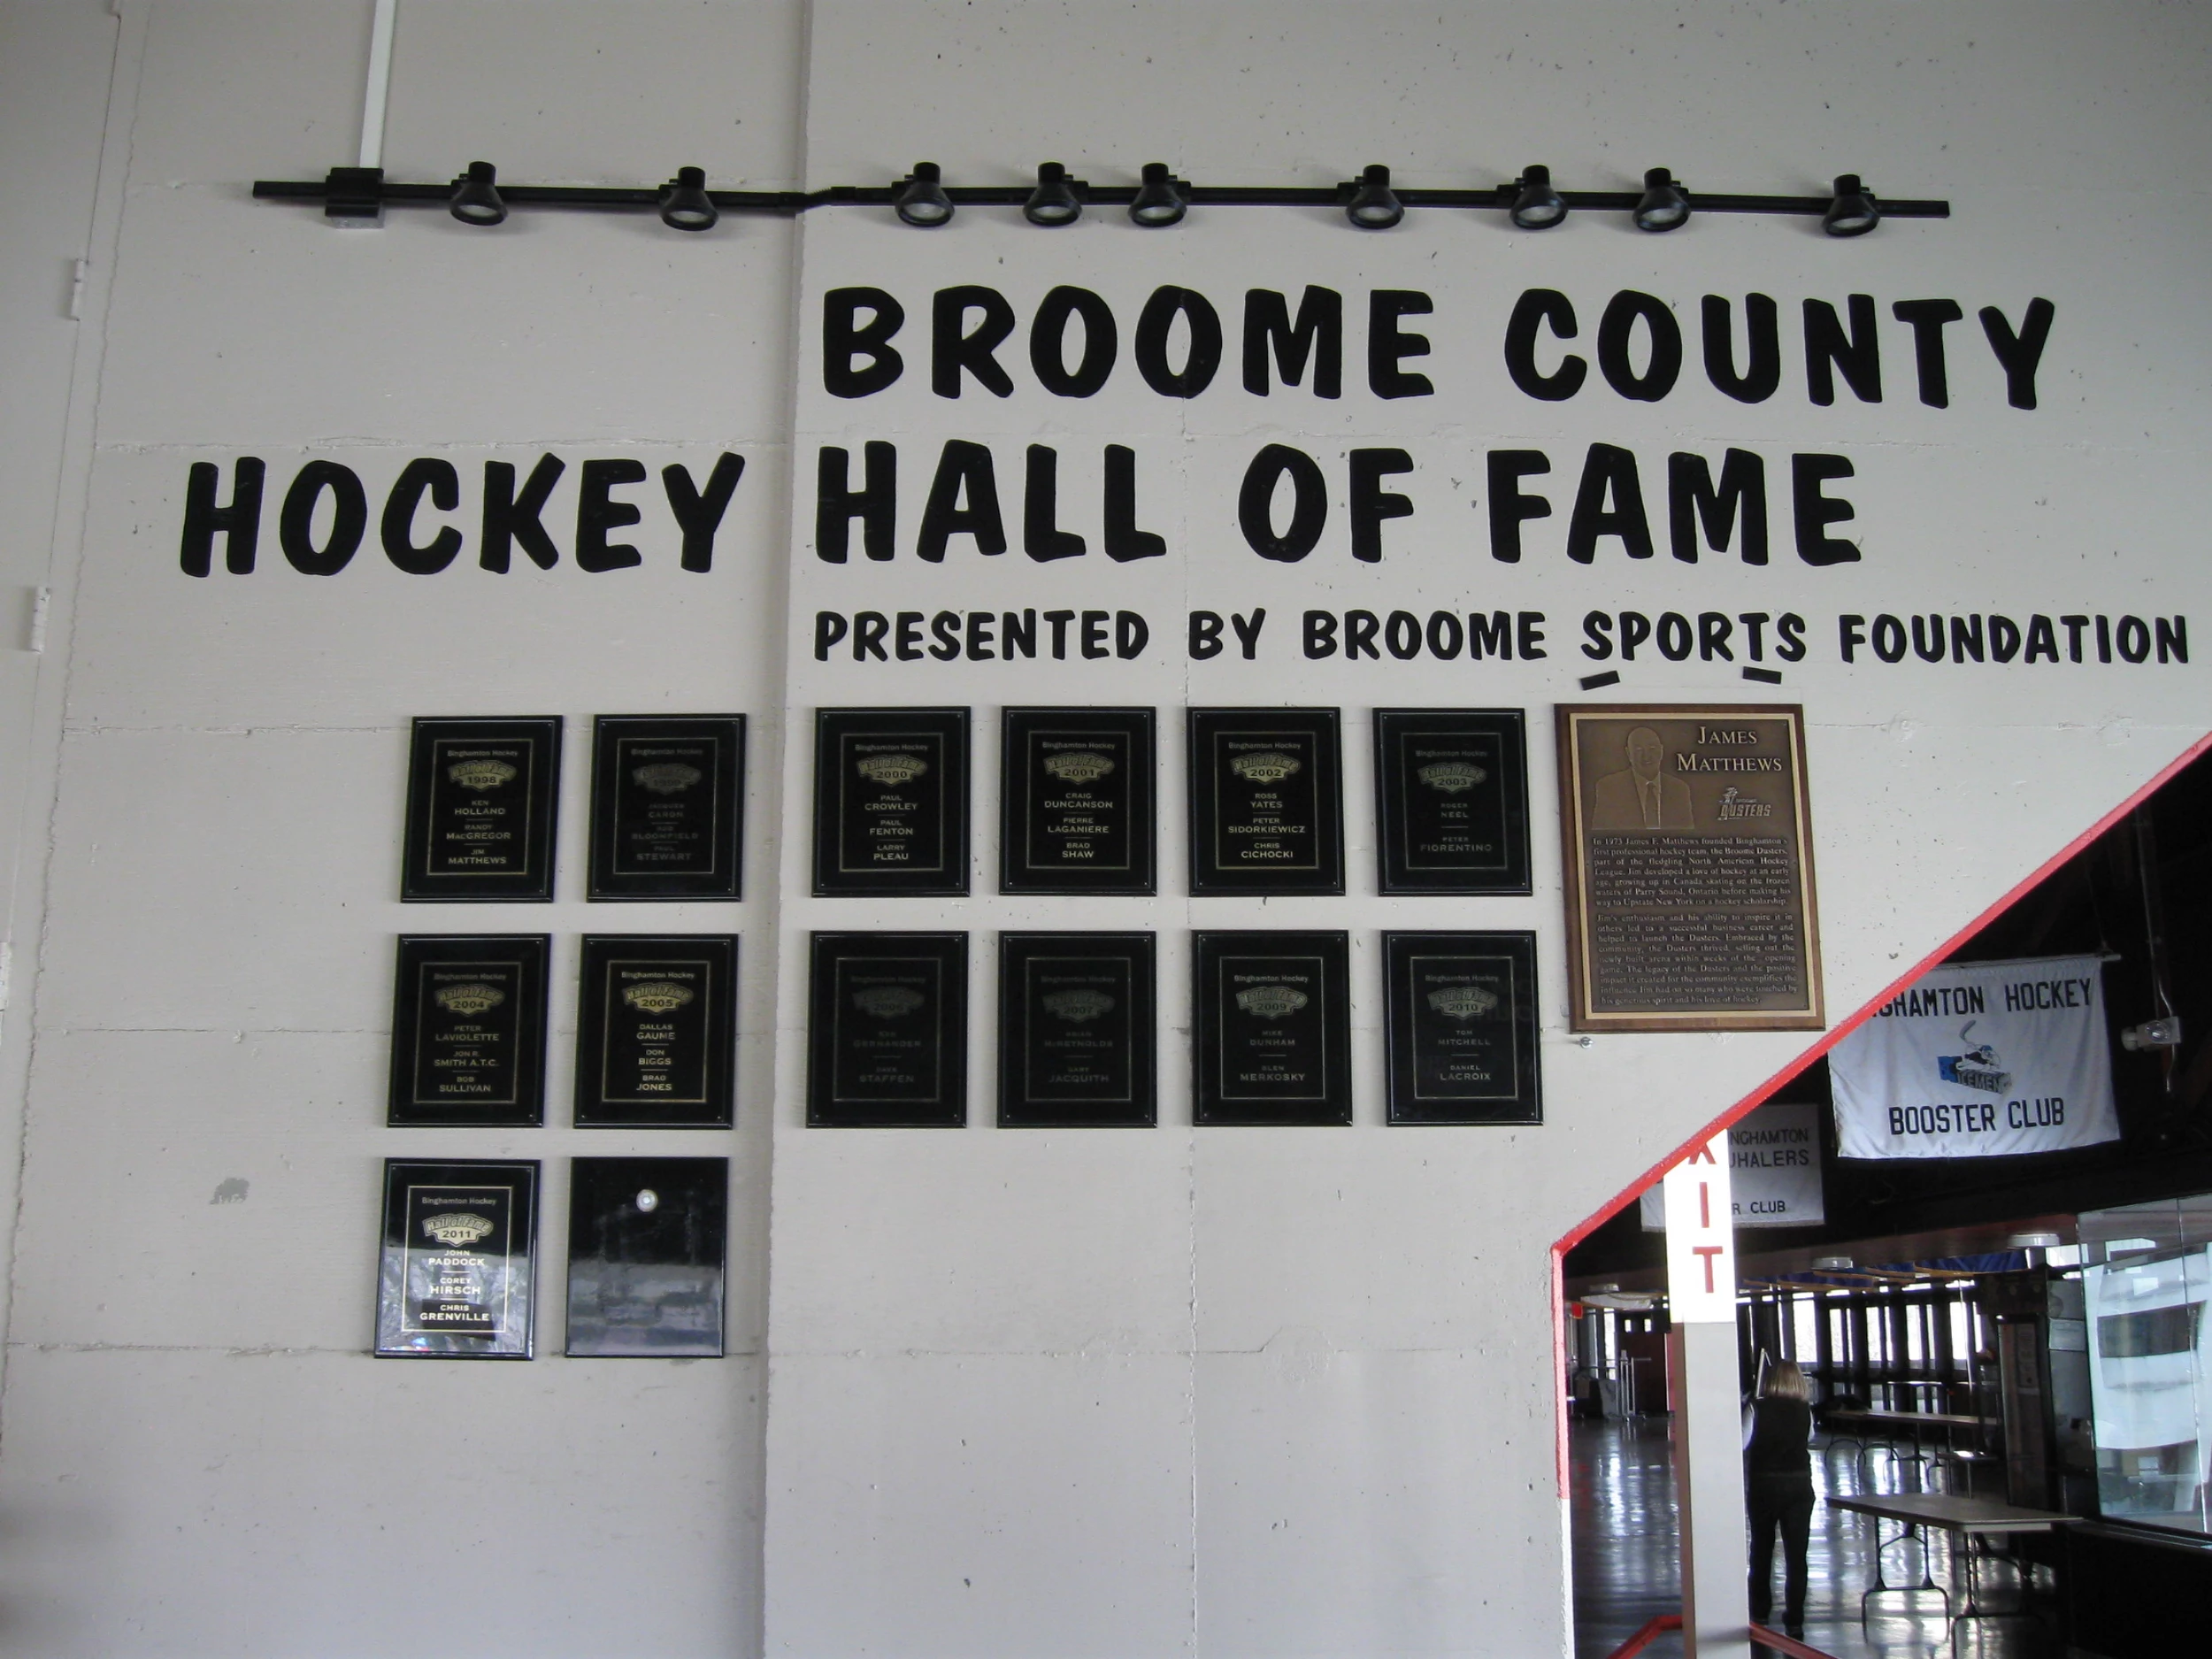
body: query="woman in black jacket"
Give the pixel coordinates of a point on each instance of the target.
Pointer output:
(1778, 1481)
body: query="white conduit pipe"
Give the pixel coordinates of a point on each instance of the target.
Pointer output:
(380, 83)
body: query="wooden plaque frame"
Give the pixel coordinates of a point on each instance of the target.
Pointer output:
(1742, 765)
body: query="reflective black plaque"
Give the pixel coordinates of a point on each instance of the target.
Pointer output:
(468, 1031)
(481, 802)
(890, 801)
(1273, 1029)
(1266, 806)
(1461, 1028)
(667, 806)
(1075, 1030)
(887, 1044)
(1076, 801)
(655, 1018)
(456, 1279)
(1451, 798)
(646, 1243)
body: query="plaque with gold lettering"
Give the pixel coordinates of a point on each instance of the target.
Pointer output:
(1460, 1028)
(888, 1036)
(1076, 1032)
(455, 1277)
(667, 806)
(1687, 831)
(1451, 797)
(1266, 803)
(1273, 1038)
(656, 1025)
(468, 1031)
(647, 1242)
(890, 801)
(1075, 801)
(482, 797)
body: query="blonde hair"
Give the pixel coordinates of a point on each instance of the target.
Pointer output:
(1787, 1381)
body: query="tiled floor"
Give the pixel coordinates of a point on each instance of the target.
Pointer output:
(1626, 1569)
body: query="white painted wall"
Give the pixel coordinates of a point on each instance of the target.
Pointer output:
(1259, 1392)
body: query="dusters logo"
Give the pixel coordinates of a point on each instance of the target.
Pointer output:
(1271, 1001)
(1451, 777)
(1082, 766)
(1079, 1006)
(887, 1001)
(1267, 766)
(470, 999)
(657, 996)
(456, 1230)
(1463, 1001)
(891, 770)
(666, 777)
(481, 774)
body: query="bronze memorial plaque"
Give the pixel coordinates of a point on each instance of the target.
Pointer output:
(1688, 851)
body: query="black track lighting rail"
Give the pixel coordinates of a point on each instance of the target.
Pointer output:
(367, 194)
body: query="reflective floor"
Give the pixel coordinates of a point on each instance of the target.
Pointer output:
(1626, 1570)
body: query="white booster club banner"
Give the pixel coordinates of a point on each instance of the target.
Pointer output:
(1773, 1171)
(1982, 1059)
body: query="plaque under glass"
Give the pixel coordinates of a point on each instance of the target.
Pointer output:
(667, 806)
(887, 1038)
(1076, 1031)
(890, 801)
(656, 1024)
(481, 799)
(647, 1242)
(468, 1031)
(1075, 801)
(1460, 1028)
(1451, 797)
(455, 1276)
(1266, 802)
(1272, 1028)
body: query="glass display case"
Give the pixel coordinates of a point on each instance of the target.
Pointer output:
(2147, 1274)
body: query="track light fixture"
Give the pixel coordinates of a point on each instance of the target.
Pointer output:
(1160, 198)
(1665, 206)
(1053, 202)
(1854, 212)
(922, 200)
(360, 195)
(1536, 205)
(1374, 206)
(685, 205)
(476, 195)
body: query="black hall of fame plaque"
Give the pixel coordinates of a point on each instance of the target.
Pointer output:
(887, 1040)
(1460, 1024)
(647, 1243)
(1076, 801)
(1266, 800)
(1273, 1028)
(481, 796)
(667, 806)
(468, 1031)
(655, 1018)
(455, 1275)
(1451, 797)
(890, 801)
(1076, 1035)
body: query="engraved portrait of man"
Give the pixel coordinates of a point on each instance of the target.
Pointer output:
(1640, 796)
